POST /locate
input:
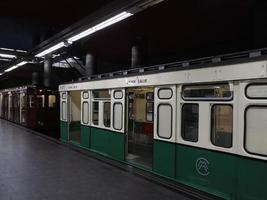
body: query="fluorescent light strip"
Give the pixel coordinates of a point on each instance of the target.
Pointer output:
(87, 32)
(7, 55)
(16, 66)
(18, 50)
(50, 50)
(100, 26)
(4, 59)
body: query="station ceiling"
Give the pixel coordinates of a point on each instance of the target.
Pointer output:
(172, 30)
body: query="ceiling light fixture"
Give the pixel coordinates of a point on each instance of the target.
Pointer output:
(100, 26)
(3, 55)
(85, 33)
(16, 66)
(50, 50)
(4, 59)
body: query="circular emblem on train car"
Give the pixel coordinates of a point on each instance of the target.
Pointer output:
(202, 166)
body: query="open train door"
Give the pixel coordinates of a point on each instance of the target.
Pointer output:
(164, 130)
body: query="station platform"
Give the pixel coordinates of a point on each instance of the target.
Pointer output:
(35, 168)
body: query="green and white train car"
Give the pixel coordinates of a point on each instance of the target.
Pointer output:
(204, 127)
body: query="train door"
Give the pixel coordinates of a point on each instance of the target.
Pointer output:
(1, 100)
(140, 126)
(23, 108)
(75, 116)
(10, 106)
(5, 106)
(16, 102)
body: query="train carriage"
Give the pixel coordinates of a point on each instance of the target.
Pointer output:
(32, 106)
(204, 127)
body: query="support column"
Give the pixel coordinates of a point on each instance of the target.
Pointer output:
(35, 78)
(90, 64)
(139, 52)
(48, 71)
(259, 24)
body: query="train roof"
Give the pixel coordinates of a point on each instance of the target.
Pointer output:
(19, 88)
(258, 56)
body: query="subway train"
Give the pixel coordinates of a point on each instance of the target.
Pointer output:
(200, 123)
(34, 107)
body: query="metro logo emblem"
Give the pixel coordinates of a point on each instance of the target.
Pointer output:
(202, 166)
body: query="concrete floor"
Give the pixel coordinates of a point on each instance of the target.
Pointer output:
(34, 168)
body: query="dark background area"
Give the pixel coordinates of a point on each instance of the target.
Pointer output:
(170, 31)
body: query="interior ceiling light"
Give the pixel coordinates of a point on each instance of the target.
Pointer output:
(50, 50)
(100, 26)
(3, 55)
(16, 66)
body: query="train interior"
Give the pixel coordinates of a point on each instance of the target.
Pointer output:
(75, 116)
(140, 126)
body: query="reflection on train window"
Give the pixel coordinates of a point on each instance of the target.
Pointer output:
(117, 116)
(190, 119)
(219, 91)
(222, 125)
(164, 121)
(51, 101)
(106, 115)
(257, 91)
(31, 99)
(101, 94)
(95, 112)
(85, 111)
(255, 130)
(40, 101)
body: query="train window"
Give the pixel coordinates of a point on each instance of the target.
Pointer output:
(218, 91)
(95, 112)
(31, 98)
(85, 95)
(255, 130)
(51, 101)
(106, 115)
(85, 110)
(164, 124)
(40, 101)
(117, 116)
(101, 94)
(222, 125)
(257, 91)
(149, 111)
(118, 94)
(190, 120)
(64, 108)
(165, 93)
(64, 95)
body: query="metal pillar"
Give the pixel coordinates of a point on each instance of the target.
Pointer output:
(90, 64)
(47, 71)
(35, 78)
(139, 52)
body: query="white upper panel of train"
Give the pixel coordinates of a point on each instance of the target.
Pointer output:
(243, 71)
